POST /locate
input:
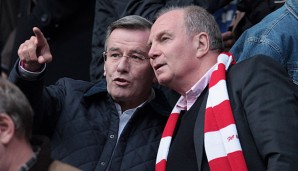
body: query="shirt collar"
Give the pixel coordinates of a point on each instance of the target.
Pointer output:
(186, 102)
(32, 161)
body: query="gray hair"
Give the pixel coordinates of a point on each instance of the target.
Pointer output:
(198, 20)
(14, 104)
(132, 22)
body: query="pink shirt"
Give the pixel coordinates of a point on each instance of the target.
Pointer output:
(186, 102)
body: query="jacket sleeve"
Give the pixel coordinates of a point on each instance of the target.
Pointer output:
(45, 101)
(267, 98)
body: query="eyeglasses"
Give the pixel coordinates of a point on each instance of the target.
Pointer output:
(116, 56)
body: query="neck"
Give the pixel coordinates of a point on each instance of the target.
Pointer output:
(18, 153)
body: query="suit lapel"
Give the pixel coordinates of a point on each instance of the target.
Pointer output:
(199, 129)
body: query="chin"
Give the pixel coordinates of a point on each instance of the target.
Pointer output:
(118, 99)
(116, 94)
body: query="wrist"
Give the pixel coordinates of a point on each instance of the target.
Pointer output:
(31, 67)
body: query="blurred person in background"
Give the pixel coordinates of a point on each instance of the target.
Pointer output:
(20, 151)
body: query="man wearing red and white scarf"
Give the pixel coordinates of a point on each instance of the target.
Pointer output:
(229, 117)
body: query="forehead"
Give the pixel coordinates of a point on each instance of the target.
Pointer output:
(171, 16)
(170, 21)
(122, 38)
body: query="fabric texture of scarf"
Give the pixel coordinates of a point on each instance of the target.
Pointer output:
(222, 145)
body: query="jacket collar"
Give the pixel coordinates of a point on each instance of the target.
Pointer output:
(98, 88)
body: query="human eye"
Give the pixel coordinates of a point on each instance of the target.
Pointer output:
(149, 45)
(164, 38)
(115, 55)
(137, 57)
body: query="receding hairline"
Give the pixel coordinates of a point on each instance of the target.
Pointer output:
(196, 20)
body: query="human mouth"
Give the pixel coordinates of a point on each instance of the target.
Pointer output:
(157, 66)
(121, 81)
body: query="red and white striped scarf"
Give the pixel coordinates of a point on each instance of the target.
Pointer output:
(221, 141)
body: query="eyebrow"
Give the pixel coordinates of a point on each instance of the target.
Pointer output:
(164, 32)
(158, 36)
(113, 49)
(130, 51)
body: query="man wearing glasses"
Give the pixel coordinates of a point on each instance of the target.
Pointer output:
(115, 124)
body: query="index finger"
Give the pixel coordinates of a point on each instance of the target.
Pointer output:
(39, 36)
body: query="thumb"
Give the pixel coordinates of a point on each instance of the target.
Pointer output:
(44, 58)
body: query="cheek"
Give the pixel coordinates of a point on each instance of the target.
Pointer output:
(109, 84)
(109, 69)
(144, 75)
(108, 73)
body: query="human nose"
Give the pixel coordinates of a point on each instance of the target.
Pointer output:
(123, 64)
(153, 52)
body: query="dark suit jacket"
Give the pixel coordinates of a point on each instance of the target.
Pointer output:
(265, 109)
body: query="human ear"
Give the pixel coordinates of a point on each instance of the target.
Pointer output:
(201, 42)
(104, 70)
(7, 128)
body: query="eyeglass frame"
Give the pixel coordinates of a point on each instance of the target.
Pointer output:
(105, 56)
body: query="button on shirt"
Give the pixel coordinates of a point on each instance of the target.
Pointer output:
(186, 102)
